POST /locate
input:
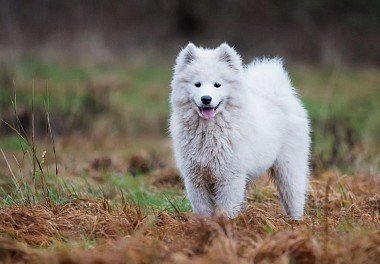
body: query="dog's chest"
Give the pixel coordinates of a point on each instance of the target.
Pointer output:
(209, 150)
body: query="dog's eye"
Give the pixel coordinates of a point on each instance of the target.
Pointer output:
(197, 84)
(217, 85)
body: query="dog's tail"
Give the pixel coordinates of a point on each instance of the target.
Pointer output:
(269, 78)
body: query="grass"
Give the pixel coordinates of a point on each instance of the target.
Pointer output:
(117, 197)
(94, 230)
(342, 103)
(13, 143)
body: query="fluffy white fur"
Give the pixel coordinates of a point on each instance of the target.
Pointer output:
(259, 123)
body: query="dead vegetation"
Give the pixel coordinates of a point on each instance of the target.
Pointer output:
(167, 176)
(342, 225)
(119, 199)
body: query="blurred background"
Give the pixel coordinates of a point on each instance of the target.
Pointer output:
(320, 32)
(99, 71)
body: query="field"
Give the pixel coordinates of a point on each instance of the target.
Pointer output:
(87, 174)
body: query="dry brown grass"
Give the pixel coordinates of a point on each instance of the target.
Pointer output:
(342, 225)
(40, 225)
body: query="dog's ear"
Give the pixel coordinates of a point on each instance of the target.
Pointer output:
(185, 57)
(228, 55)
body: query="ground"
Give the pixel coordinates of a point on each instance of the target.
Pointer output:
(92, 178)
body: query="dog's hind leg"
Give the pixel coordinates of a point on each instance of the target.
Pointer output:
(291, 177)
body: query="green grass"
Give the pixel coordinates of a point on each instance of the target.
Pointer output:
(342, 102)
(149, 197)
(60, 189)
(13, 143)
(347, 95)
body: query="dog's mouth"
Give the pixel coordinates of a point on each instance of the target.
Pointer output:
(208, 112)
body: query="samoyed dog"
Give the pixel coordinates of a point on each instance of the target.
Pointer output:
(230, 123)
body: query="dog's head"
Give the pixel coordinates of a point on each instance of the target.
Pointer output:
(206, 78)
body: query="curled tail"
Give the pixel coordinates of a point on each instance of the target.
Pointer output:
(268, 77)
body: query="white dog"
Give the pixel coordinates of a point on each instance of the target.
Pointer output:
(231, 123)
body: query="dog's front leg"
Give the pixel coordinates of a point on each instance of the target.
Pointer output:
(230, 195)
(200, 197)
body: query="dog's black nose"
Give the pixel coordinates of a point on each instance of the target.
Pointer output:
(206, 99)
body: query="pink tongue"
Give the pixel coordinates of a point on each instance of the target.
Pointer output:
(208, 113)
